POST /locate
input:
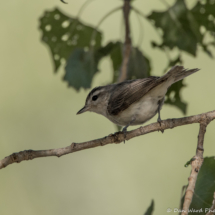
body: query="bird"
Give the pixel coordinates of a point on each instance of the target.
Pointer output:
(133, 102)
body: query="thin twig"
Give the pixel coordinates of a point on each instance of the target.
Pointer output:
(93, 36)
(76, 21)
(212, 209)
(141, 27)
(63, 1)
(196, 165)
(112, 138)
(86, 3)
(156, 29)
(127, 43)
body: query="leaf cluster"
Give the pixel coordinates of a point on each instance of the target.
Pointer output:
(80, 45)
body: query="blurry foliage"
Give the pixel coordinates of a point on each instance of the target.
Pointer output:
(82, 65)
(179, 28)
(80, 68)
(184, 28)
(64, 35)
(80, 46)
(150, 209)
(204, 189)
(138, 65)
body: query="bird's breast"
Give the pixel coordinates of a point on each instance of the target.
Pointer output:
(140, 111)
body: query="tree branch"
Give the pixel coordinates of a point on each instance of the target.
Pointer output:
(127, 44)
(114, 138)
(196, 165)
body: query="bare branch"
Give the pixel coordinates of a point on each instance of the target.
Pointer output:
(196, 165)
(127, 44)
(212, 209)
(115, 138)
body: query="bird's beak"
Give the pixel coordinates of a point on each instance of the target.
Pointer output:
(84, 109)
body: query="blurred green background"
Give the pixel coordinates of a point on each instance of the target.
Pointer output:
(38, 111)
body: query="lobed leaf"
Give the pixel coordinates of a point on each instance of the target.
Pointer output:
(80, 69)
(179, 28)
(150, 209)
(65, 35)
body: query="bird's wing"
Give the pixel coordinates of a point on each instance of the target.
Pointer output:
(128, 92)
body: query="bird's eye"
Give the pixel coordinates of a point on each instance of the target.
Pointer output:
(95, 98)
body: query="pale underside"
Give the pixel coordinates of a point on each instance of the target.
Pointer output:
(142, 110)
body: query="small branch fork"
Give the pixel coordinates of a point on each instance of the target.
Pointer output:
(127, 45)
(118, 137)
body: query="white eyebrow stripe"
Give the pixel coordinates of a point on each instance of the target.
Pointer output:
(95, 91)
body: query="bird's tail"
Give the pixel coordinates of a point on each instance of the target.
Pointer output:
(177, 73)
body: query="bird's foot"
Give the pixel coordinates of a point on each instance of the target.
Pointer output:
(124, 130)
(159, 121)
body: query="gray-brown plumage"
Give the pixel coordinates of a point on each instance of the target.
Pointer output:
(128, 92)
(133, 102)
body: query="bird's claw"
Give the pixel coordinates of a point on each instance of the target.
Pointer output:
(124, 130)
(159, 121)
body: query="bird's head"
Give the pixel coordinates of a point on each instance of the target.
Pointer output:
(96, 101)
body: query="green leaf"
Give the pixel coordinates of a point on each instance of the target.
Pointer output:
(150, 209)
(82, 65)
(138, 66)
(173, 96)
(184, 29)
(204, 13)
(179, 28)
(205, 187)
(63, 34)
(105, 50)
(116, 58)
(80, 69)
